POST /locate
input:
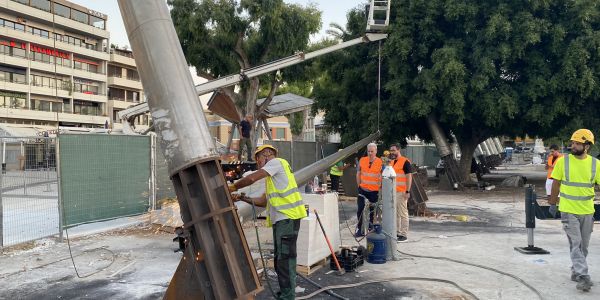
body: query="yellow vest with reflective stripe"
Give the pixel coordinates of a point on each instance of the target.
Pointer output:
(287, 201)
(336, 171)
(577, 196)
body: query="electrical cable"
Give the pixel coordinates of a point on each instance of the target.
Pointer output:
(331, 293)
(479, 266)
(262, 258)
(379, 86)
(51, 263)
(73, 258)
(344, 286)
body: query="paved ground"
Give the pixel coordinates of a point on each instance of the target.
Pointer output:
(138, 263)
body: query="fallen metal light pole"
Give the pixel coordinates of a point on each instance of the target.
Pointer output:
(217, 262)
(441, 143)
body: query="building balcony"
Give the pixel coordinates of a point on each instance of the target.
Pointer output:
(43, 16)
(48, 67)
(124, 60)
(90, 97)
(124, 82)
(26, 114)
(17, 61)
(49, 43)
(84, 74)
(77, 118)
(49, 91)
(14, 86)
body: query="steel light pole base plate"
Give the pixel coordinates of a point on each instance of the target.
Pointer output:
(531, 250)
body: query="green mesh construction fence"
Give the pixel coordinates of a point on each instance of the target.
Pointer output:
(103, 176)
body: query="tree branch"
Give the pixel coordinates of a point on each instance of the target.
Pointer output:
(239, 50)
(274, 86)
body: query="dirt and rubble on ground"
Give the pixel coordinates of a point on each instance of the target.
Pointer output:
(463, 245)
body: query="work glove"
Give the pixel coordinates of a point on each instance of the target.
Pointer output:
(232, 188)
(553, 210)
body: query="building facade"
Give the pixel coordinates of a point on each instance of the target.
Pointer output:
(54, 64)
(124, 87)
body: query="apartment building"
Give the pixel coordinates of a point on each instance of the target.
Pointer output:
(53, 65)
(124, 87)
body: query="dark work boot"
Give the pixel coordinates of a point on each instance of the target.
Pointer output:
(584, 283)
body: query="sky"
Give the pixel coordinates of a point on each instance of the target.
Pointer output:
(334, 11)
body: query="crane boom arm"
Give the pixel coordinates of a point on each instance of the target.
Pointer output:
(126, 115)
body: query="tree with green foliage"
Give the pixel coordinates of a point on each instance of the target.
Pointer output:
(480, 68)
(221, 37)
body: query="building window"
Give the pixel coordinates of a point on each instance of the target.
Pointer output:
(114, 71)
(41, 105)
(279, 133)
(19, 27)
(62, 10)
(133, 96)
(79, 16)
(26, 2)
(67, 105)
(97, 22)
(12, 100)
(12, 77)
(133, 75)
(116, 94)
(41, 4)
(115, 116)
(86, 108)
(86, 65)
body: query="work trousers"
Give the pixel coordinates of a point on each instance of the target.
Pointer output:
(402, 213)
(285, 235)
(372, 196)
(335, 182)
(245, 142)
(579, 230)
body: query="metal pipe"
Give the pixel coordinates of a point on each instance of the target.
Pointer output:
(176, 112)
(388, 196)
(439, 138)
(217, 263)
(307, 173)
(499, 145)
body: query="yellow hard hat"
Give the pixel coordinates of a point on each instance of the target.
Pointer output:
(583, 136)
(263, 147)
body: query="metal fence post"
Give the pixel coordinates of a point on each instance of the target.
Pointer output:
(153, 171)
(58, 184)
(1, 210)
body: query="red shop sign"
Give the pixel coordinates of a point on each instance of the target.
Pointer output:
(48, 51)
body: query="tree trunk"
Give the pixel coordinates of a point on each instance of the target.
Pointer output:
(251, 95)
(467, 149)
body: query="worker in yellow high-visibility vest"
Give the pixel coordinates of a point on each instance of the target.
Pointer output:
(285, 209)
(574, 176)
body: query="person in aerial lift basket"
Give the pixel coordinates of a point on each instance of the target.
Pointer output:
(574, 177)
(285, 209)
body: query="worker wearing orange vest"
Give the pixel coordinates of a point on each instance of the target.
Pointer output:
(552, 158)
(573, 190)
(368, 179)
(403, 169)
